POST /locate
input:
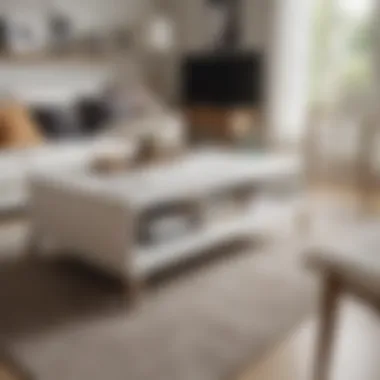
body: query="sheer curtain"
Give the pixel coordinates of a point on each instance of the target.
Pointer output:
(326, 61)
(289, 70)
(347, 75)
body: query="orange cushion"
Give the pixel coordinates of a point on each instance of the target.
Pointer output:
(17, 129)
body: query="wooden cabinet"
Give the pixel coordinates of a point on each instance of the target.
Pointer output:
(223, 124)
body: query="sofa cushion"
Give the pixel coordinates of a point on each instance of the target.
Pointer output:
(17, 129)
(93, 114)
(57, 122)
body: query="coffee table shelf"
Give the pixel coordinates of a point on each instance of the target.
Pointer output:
(159, 256)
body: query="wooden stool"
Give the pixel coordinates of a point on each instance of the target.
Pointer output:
(345, 271)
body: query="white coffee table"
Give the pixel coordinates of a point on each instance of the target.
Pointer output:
(105, 218)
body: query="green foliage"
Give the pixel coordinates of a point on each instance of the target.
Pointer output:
(355, 72)
(322, 30)
(361, 39)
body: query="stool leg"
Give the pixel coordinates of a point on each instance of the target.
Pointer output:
(329, 306)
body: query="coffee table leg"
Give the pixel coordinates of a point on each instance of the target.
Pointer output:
(329, 306)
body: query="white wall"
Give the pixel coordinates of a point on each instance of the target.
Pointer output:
(191, 19)
(85, 14)
(55, 82)
(192, 24)
(51, 83)
(257, 20)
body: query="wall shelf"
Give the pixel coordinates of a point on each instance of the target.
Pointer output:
(55, 58)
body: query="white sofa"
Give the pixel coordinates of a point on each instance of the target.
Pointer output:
(16, 165)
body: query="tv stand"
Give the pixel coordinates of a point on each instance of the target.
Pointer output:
(222, 124)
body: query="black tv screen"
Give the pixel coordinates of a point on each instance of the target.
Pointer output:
(222, 80)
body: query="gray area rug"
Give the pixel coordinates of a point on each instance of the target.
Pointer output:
(62, 322)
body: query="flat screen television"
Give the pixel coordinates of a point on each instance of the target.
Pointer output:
(234, 79)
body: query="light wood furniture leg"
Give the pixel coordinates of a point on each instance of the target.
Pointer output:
(329, 305)
(365, 178)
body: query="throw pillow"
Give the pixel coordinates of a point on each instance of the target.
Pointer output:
(17, 129)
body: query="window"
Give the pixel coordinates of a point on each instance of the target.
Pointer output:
(342, 61)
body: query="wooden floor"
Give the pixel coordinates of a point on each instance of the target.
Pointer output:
(8, 371)
(5, 374)
(357, 348)
(356, 353)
